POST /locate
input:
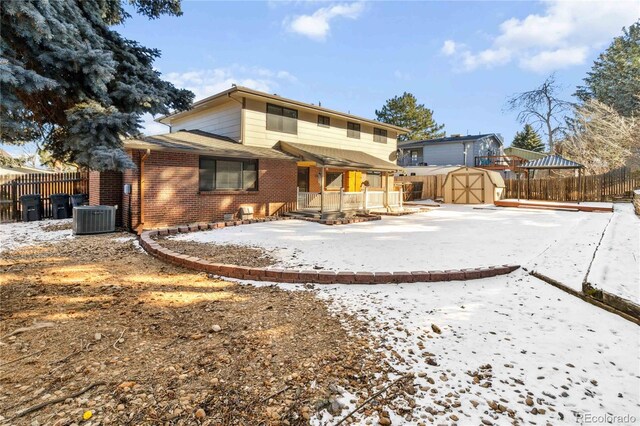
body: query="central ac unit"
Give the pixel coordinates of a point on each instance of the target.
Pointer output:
(94, 219)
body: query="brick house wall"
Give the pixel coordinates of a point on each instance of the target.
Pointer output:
(172, 196)
(105, 188)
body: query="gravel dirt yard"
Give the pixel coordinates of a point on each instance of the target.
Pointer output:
(233, 254)
(503, 350)
(162, 343)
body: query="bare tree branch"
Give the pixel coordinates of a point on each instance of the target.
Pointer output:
(542, 109)
(601, 139)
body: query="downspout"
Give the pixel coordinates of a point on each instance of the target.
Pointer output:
(141, 191)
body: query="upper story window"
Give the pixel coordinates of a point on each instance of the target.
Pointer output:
(353, 130)
(379, 135)
(281, 119)
(225, 174)
(324, 121)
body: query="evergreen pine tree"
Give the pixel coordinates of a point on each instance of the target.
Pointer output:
(404, 111)
(614, 78)
(528, 139)
(74, 85)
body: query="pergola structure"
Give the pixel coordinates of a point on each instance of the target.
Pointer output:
(552, 162)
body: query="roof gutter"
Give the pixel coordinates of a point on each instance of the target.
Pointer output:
(255, 93)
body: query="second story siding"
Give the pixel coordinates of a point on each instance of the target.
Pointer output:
(224, 120)
(309, 131)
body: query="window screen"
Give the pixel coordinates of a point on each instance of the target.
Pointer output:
(324, 121)
(379, 135)
(207, 174)
(353, 130)
(228, 174)
(281, 119)
(249, 175)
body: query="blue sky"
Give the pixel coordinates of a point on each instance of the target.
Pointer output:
(461, 59)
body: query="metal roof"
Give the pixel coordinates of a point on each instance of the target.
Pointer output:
(204, 143)
(448, 139)
(551, 162)
(335, 157)
(524, 153)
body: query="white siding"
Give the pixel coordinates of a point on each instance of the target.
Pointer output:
(445, 154)
(222, 120)
(310, 133)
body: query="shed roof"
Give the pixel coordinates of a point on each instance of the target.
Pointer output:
(204, 143)
(335, 157)
(430, 170)
(496, 178)
(551, 162)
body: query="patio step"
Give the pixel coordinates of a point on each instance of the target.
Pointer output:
(318, 215)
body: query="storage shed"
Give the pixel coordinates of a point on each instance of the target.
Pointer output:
(472, 185)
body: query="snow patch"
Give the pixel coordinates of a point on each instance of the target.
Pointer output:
(616, 266)
(23, 234)
(572, 357)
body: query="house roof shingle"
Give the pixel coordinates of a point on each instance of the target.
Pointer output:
(335, 157)
(199, 142)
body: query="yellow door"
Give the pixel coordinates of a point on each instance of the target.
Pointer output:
(355, 180)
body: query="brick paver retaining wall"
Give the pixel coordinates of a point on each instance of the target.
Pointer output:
(300, 276)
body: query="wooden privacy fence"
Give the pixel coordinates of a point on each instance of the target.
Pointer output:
(421, 187)
(12, 187)
(614, 184)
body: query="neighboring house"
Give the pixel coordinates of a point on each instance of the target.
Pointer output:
(245, 148)
(457, 150)
(21, 170)
(9, 167)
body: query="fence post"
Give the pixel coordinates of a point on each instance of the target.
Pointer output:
(14, 199)
(297, 198)
(340, 200)
(401, 196)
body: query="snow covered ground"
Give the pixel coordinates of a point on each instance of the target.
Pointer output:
(449, 237)
(506, 343)
(616, 267)
(563, 203)
(568, 258)
(22, 234)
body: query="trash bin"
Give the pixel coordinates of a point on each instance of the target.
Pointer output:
(79, 200)
(31, 207)
(60, 206)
